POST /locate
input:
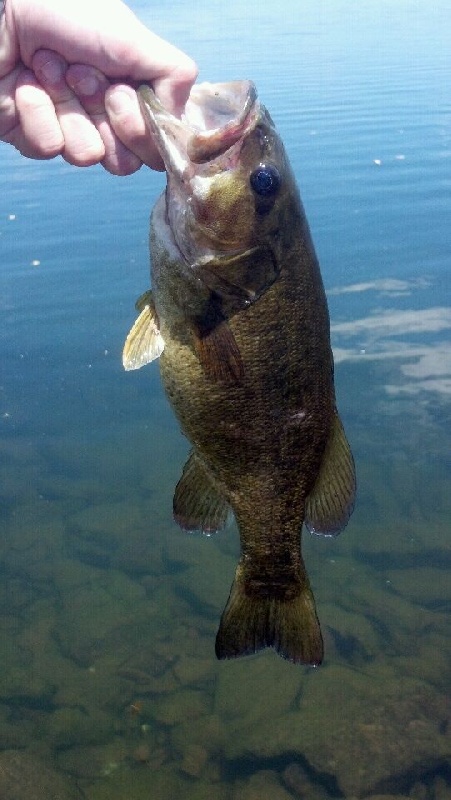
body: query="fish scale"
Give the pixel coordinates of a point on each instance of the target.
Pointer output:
(246, 362)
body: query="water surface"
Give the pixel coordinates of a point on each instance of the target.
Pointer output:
(109, 612)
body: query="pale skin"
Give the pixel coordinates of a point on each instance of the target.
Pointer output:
(68, 73)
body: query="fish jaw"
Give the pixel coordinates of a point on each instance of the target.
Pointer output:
(216, 116)
(207, 182)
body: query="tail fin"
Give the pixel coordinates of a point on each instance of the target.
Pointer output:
(250, 623)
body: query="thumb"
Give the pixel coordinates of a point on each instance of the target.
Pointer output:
(173, 89)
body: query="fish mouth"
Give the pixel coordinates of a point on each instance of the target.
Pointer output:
(217, 116)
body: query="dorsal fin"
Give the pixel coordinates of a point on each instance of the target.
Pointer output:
(331, 501)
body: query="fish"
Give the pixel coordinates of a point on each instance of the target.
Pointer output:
(237, 316)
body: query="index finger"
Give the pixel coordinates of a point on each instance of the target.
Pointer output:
(127, 121)
(90, 86)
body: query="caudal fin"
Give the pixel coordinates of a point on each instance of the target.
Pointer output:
(250, 623)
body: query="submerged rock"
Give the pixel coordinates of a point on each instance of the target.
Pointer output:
(194, 759)
(300, 784)
(387, 797)
(93, 762)
(378, 730)
(26, 777)
(190, 670)
(66, 727)
(31, 663)
(355, 729)
(204, 573)
(428, 586)
(138, 782)
(256, 690)
(264, 785)
(442, 789)
(94, 616)
(174, 708)
(209, 732)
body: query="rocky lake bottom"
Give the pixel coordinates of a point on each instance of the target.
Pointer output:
(109, 688)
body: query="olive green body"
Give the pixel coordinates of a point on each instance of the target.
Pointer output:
(262, 437)
(238, 316)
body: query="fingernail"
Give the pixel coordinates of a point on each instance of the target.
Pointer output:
(119, 101)
(51, 71)
(86, 87)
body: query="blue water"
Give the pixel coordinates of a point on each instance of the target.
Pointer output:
(105, 604)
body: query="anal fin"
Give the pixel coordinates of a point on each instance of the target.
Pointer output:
(331, 501)
(198, 505)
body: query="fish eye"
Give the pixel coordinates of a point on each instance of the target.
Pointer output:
(265, 180)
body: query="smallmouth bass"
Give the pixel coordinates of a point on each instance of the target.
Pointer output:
(238, 316)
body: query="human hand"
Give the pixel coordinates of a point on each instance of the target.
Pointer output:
(63, 67)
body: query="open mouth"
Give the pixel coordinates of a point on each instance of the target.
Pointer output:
(216, 116)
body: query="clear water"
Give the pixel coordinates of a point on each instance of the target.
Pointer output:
(108, 611)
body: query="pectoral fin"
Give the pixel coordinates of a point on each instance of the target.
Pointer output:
(238, 281)
(233, 283)
(215, 345)
(218, 353)
(144, 343)
(331, 501)
(198, 505)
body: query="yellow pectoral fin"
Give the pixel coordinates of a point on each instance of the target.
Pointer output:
(331, 501)
(144, 343)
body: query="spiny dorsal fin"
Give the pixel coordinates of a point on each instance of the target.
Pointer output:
(331, 501)
(144, 343)
(198, 505)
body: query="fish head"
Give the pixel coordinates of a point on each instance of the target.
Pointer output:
(228, 177)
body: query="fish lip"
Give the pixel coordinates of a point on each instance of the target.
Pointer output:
(217, 116)
(216, 139)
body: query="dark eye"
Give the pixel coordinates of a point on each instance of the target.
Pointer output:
(265, 180)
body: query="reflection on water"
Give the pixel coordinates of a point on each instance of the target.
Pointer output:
(109, 687)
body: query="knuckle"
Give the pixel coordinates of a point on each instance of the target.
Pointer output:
(187, 71)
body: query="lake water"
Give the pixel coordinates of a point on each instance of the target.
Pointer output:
(109, 611)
